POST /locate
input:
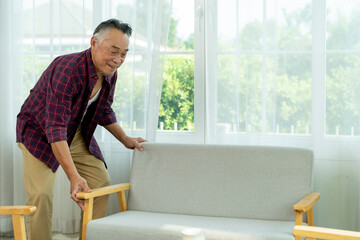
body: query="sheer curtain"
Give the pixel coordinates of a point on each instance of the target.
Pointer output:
(34, 33)
(11, 167)
(285, 73)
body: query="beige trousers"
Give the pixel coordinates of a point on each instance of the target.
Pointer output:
(39, 185)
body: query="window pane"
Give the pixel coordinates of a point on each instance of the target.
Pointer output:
(177, 97)
(33, 67)
(126, 11)
(28, 74)
(342, 95)
(289, 25)
(288, 94)
(240, 94)
(28, 28)
(67, 28)
(227, 94)
(129, 100)
(176, 111)
(227, 32)
(41, 27)
(266, 92)
(72, 25)
(239, 91)
(342, 70)
(342, 24)
(181, 32)
(240, 25)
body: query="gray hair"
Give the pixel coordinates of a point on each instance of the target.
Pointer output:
(103, 28)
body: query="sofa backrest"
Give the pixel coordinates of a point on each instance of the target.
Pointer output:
(218, 180)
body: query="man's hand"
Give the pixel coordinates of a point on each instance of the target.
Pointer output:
(120, 135)
(77, 185)
(132, 143)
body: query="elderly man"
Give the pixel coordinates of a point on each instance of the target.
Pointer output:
(56, 124)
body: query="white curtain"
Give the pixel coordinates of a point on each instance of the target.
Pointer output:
(34, 33)
(11, 167)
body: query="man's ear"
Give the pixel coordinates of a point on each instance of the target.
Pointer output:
(93, 42)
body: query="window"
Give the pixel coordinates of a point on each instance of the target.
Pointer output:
(263, 67)
(263, 64)
(177, 98)
(181, 115)
(342, 68)
(263, 73)
(232, 69)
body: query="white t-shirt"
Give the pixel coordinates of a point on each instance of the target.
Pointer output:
(91, 100)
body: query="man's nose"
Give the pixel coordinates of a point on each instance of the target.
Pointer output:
(119, 59)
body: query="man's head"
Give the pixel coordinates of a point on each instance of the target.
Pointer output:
(109, 46)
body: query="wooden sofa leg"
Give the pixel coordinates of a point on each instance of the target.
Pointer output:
(88, 212)
(122, 201)
(298, 218)
(310, 216)
(19, 227)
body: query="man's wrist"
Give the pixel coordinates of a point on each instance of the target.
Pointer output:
(73, 175)
(123, 139)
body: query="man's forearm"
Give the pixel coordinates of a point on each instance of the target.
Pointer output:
(120, 135)
(116, 131)
(62, 153)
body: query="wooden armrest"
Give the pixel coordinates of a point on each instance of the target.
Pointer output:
(89, 201)
(325, 233)
(103, 191)
(16, 210)
(307, 202)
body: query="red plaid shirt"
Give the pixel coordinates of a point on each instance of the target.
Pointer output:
(55, 106)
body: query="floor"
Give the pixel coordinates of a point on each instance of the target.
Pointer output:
(56, 236)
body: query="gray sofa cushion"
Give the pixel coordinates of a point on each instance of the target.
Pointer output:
(221, 181)
(134, 225)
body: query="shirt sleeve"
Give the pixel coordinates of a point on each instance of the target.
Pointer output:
(108, 118)
(58, 104)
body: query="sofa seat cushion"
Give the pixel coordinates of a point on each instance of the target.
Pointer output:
(137, 225)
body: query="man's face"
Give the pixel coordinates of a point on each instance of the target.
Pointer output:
(110, 53)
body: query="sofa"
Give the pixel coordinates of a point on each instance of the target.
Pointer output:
(229, 192)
